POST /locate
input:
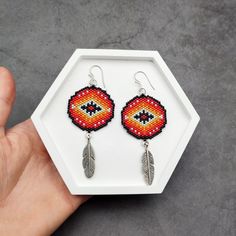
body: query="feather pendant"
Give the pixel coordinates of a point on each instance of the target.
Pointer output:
(88, 160)
(148, 166)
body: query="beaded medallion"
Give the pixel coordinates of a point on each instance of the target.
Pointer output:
(143, 117)
(91, 108)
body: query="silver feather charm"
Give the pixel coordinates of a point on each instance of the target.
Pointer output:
(148, 165)
(88, 160)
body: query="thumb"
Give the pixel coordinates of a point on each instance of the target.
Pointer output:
(7, 97)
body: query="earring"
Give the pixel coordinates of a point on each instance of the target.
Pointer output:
(90, 109)
(144, 117)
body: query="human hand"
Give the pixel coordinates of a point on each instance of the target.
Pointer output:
(33, 198)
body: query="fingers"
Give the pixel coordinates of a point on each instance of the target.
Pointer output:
(7, 96)
(77, 201)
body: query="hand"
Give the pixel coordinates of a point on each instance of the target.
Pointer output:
(33, 198)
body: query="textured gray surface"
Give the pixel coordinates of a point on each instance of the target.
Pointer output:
(197, 39)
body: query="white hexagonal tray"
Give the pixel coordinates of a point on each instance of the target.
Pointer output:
(118, 154)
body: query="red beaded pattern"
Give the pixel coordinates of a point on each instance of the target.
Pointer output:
(143, 117)
(91, 108)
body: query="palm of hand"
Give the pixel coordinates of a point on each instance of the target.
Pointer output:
(33, 197)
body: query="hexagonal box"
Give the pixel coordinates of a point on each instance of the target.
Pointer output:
(118, 154)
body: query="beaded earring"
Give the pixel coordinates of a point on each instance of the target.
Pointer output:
(144, 117)
(90, 109)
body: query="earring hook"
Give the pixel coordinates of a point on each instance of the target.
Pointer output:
(91, 75)
(142, 90)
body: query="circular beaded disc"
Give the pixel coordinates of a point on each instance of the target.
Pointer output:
(91, 108)
(143, 117)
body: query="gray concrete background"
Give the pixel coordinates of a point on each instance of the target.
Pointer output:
(197, 39)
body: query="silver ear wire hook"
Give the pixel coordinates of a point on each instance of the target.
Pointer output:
(142, 90)
(94, 81)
